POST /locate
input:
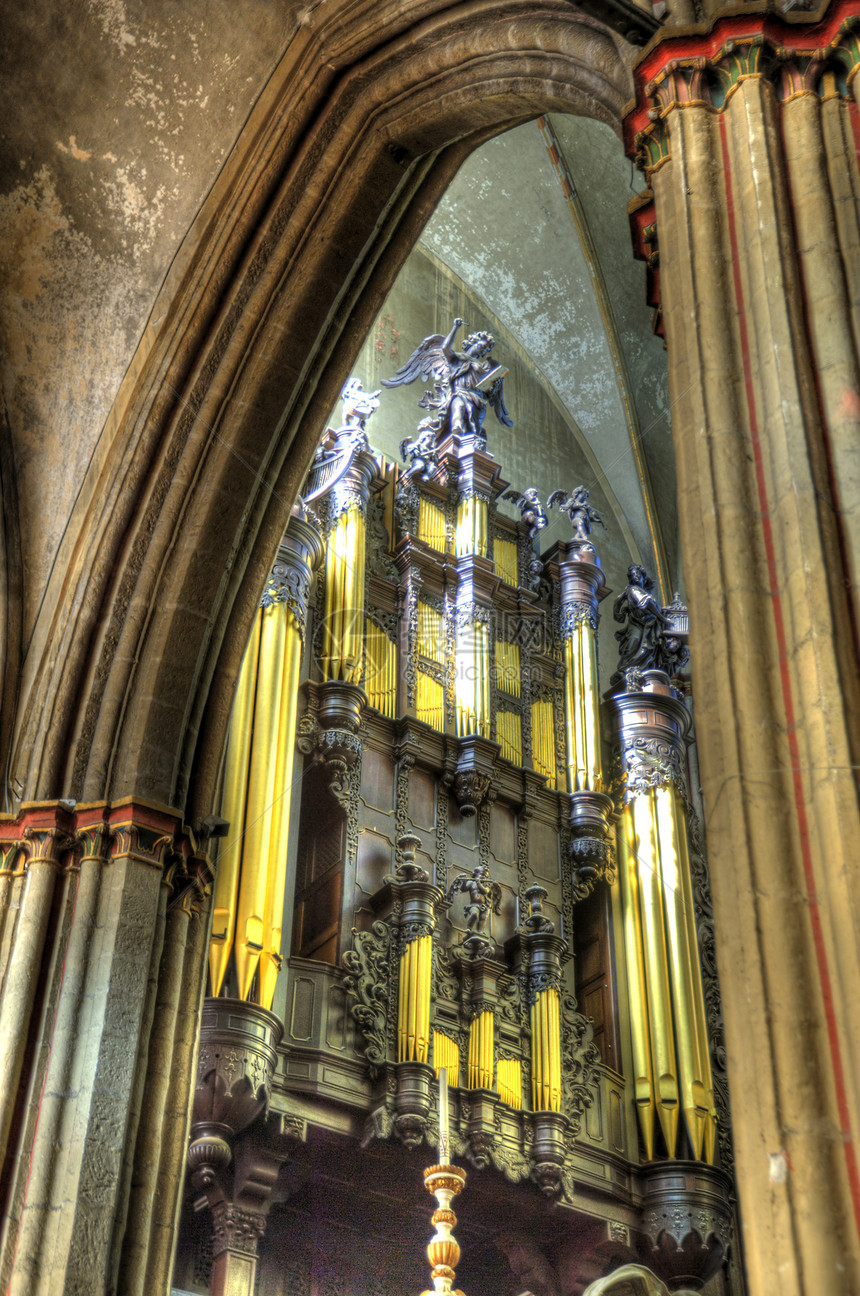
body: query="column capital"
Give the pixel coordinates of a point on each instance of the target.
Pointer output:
(236, 1230)
(702, 66)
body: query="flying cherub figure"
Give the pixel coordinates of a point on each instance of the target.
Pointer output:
(578, 509)
(531, 510)
(483, 895)
(464, 383)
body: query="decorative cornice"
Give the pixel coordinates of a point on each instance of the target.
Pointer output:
(62, 834)
(701, 67)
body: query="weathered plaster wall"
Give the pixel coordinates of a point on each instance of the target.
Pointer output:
(116, 118)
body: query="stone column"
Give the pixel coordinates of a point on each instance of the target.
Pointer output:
(763, 365)
(101, 1069)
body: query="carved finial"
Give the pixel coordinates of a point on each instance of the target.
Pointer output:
(408, 870)
(537, 920)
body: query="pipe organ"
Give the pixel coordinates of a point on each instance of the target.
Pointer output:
(466, 835)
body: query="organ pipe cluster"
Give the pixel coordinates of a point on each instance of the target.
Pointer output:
(671, 1051)
(251, 879)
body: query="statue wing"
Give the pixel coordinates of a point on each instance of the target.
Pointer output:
(456, 885)
(496, 398)
(557, 495)
(496, 897)
(423, 358)
(514, 496)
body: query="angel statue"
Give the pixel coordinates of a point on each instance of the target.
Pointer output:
(358, 405)
(578, 509)
(421, 453)
(483, 896)
(643, 619)
(339, 447)
(464, 383)
(532, 512)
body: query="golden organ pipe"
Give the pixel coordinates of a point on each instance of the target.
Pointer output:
(233, 810)
(656, 968)
(258, 820)
(628, 881)
(280, 786)
(505, 556)
(343, 632)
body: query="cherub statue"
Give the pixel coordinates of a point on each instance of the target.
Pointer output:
(484, 895)
(339, 447)
(421, 453)
(532, 512)
(358, 405)
(578, 509)
(643, 620)
(464, 383)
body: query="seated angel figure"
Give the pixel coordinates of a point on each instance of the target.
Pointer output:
(464, 382)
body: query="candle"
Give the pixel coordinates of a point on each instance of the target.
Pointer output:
(444, 1144)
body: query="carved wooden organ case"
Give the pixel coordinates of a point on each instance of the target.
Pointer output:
(418, 777)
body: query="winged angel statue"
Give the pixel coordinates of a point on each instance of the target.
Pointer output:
(464, 384)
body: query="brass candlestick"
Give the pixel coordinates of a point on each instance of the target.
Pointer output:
(443, 1251)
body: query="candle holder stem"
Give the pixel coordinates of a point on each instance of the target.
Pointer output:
(444, 1182)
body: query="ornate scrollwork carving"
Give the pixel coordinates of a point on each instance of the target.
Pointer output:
(406, 505)
(580, 1059)
(445, 983)
(592, 860)
(471, 613)
(367, 968)
(387, 622)
(578, 612)
(235, 1230)
(680, 1221)
(470, 789)
(401, 803)
(713, 1002)
(412, 590)
(652, 763)
(289, 583)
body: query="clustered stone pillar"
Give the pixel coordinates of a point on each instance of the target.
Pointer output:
(747, 135)
(102, 933)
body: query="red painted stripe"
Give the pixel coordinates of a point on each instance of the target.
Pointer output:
(788, 704)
